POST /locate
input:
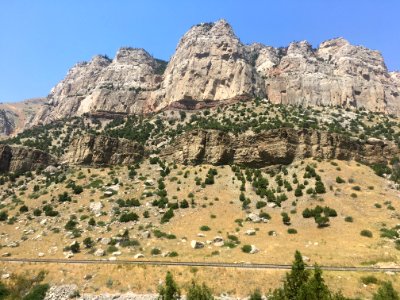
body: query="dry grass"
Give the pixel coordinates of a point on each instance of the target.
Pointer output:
(218, 206)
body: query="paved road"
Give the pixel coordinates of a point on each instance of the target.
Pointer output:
(191, 264)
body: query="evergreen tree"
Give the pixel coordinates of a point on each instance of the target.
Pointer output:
(171, 290)
(386, 292)
(315, 289)
(256, 295)
(296, 278)
(199, 292)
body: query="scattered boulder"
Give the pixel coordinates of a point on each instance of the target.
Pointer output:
(95, 207)
(145, 234)
(196, 244)
(254, 249)
(250, 232)
(105, 241)
(62, 292)
(218, 241)
(99, 252)
(253, 217)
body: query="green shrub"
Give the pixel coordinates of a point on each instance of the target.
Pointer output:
(3, 215)
(349, 219)
(246, 248)
(184, 204)
(285, 218)
(128, 217)
(340, 180)
(205, 228)
(167, 216)
(155, 251)
(292, 231)
(261, 204)
(38, 292)
(369, 279)
(320, 187)
(366, 233)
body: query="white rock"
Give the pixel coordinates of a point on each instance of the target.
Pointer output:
(253, 249)
(250, 232)
(196, 245)
(99, 252)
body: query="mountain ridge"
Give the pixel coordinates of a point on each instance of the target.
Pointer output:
(211, 65)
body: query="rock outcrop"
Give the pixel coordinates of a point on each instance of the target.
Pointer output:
(7, 124)
(102, 150)
(337, 73)
(22, 159)
(274, 147)
(121, 85)
(211, 65)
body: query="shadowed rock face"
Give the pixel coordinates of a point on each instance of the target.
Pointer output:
(274, 147)
(102, 150)
(7, 124)
(211, 66)
(23, 159)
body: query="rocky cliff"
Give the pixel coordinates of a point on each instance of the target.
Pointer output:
(7, 124)
(274, 147)
(336, 73)
(121, 85)
(16, 116)
(211, 65)
(102, 150)
(22, 159)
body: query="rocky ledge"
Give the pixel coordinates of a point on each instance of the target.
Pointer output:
(23, 159)
(274, 147)
(102, 150)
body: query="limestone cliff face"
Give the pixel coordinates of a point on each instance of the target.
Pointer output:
(211, 65)
(274, 147)
(102, 150)
(337, 73)
(22, 159)
(121, 85)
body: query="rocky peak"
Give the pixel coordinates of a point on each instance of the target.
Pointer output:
(133, 56)
(300, 49)
(100, 60)
(209, 65)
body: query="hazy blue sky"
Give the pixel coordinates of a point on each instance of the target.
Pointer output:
(40, 40)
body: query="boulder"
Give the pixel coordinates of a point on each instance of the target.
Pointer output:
(99, 252)
(196, 244)
(250, 232)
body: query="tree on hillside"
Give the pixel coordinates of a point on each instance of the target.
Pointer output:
(199, 292)
(300, 285)
(169, 291)
(386, 292)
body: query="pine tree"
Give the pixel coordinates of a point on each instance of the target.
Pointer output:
(256, 295)
(386, 292)
(171, 290)
(199, 292)
(315, 289)
(296, 278)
